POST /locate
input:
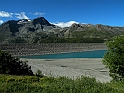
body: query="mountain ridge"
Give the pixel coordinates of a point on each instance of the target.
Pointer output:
(39, 28)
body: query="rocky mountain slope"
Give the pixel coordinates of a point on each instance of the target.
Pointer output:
(39, 29)
(25, 26)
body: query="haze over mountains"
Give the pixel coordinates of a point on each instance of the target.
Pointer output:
(39, 29)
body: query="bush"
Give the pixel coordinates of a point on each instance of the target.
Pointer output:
(33, 84)
(10, 80)
(114, 57)
(33, 79)
(12, 65)
(39, 74)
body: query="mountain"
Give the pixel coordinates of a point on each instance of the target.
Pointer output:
(25, 25)
(93, 31)
(40, 30)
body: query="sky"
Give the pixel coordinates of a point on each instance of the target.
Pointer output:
(65, 12)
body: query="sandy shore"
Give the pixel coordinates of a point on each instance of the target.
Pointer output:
(72, 68)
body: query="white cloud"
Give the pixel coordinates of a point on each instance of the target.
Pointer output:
(39, 13)
(21, 15)
(1, 21)
(66, 24)
(5, 14)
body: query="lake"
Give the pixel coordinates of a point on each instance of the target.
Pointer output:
(85, 54)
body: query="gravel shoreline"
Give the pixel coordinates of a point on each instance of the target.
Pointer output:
(72, 67)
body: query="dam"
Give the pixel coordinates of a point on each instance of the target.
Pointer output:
(50, 48)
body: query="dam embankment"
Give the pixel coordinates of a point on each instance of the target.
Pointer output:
(50, 48)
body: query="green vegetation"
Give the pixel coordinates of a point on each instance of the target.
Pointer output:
(12, 65)
(53, 39)
(33, 84)
(92, 33)
(70, 40)
(114, 57)
(39, 73)
(17, 40)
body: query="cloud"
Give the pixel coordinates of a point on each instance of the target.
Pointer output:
(66, 24)
(5, 14)
(1, 21)
(39, 13)
(21, 15)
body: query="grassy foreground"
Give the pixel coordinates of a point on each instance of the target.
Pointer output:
(33, 84)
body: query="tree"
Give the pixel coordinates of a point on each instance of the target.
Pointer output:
(12, 65)
(114, 57)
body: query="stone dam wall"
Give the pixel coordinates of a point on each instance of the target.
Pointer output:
(50, 48)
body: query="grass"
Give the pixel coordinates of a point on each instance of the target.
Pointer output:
(33, 84)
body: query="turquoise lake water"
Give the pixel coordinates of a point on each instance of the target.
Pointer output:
(86, 54)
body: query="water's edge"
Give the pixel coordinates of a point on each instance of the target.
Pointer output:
(85, 54)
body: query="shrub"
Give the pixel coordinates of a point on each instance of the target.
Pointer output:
(10, 80)
(12, 65)
(114, 57)
(39, 74)
(33, 79)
